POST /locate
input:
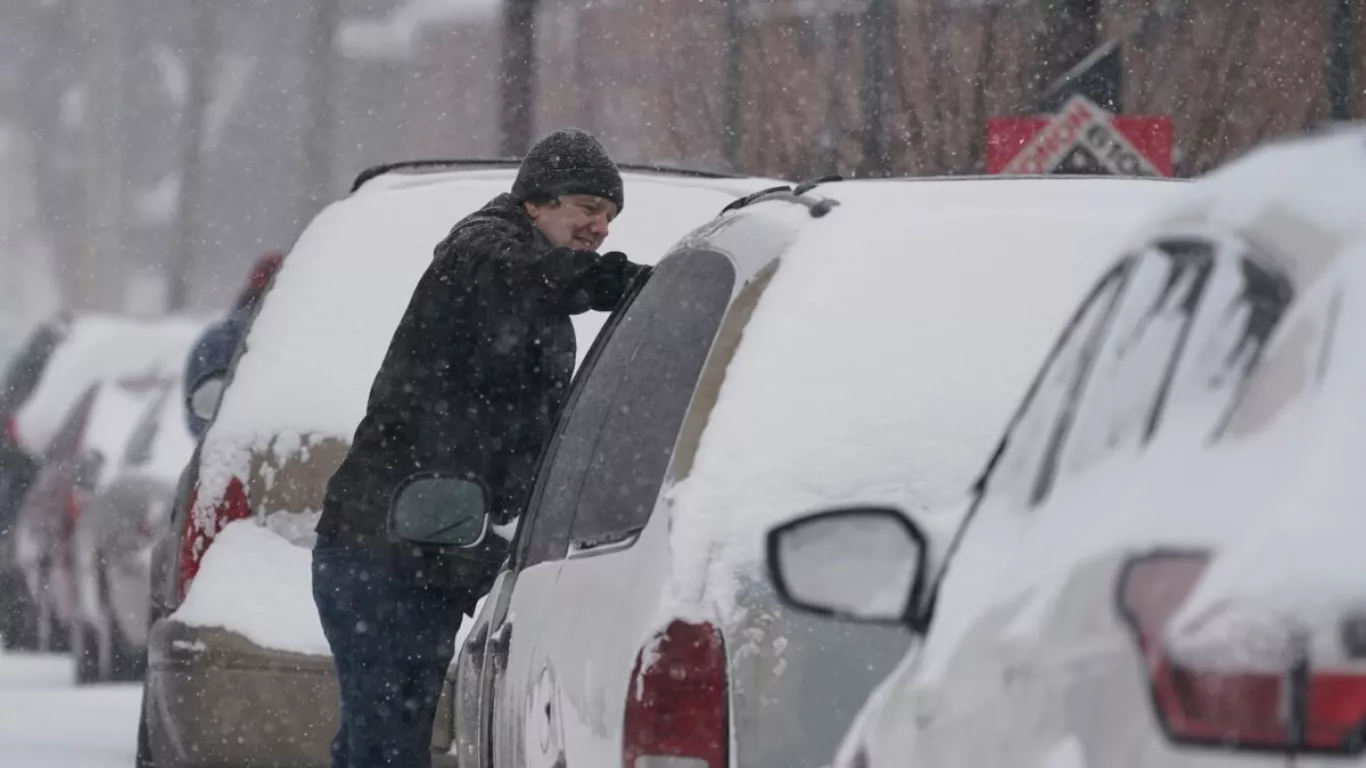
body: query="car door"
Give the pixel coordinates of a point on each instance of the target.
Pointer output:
(609, 587)
(485, 729)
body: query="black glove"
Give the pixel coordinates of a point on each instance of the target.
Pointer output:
(611, 277)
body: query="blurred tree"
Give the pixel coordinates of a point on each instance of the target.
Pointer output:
(519, 74)
(200, 52)
(320, 126)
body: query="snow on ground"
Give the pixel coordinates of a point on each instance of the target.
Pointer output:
(47, 722)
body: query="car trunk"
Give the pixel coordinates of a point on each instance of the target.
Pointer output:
(287, 481)
(285, 490)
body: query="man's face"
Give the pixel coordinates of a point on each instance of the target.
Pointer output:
(580, 222)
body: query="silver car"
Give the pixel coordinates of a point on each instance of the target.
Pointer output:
(112, 544)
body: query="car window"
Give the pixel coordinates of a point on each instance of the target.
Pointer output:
(139, 447)
(1193, 321)
(26, 370)
(672, 326)
(545, 533)
(67, 441)
(1021, 458)
(1135, 360)
(615, 380)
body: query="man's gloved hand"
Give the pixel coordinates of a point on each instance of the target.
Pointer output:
(610, 279)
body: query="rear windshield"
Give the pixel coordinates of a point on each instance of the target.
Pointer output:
(27, 367)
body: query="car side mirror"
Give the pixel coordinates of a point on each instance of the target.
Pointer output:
(440, 511)
(205, 396)
(863, 564)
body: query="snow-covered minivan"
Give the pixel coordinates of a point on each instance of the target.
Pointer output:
(239, 672)
(811, 346)
(1162, 564)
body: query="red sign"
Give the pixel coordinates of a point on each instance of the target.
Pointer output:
(1081, 138)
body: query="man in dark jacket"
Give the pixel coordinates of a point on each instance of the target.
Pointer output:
(472, 383)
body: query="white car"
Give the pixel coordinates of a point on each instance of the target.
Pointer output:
(749, 380)
(1161, 565)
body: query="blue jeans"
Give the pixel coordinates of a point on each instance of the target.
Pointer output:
(391, 623)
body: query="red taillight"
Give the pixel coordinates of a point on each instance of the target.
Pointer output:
(197, 533)
(12, 432)
(1290, 710)
(677, 707)
(75, 502)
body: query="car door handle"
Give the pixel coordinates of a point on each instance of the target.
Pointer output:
(500, 640)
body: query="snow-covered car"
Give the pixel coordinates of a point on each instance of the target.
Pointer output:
(239, 671)
(69, 422)
(1161, 564)
(809, 346)
(112, 543)
(78, 466)
(17, 470)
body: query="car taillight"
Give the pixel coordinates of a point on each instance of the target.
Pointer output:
(677, 707)
(75, 502)
(12, 432)
(199, 531)
(1291, 710)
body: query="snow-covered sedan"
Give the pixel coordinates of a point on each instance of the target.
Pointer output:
(810, 346)
(1161, 565)
(73, 421)
(112, 541)
(239, 672)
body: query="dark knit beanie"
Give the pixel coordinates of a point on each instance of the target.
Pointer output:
(569, 162)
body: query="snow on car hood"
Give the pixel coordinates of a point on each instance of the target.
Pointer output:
(102, 347)
(886, 356)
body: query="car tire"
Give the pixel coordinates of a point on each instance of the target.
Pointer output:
(18, 624)
(144, 756)
(51, 637)
(128, 663)
(85, 650)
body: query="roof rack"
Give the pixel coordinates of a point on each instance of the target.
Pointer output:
(512, 162)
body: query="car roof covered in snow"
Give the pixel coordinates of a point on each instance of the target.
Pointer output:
(99, 347)
(319, 336)
(891, 347)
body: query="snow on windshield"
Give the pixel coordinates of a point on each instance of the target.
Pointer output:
(884, 359)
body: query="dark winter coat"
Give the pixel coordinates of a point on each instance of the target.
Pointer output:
(477, 370)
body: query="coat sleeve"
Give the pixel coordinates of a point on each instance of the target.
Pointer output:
(515, 274)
